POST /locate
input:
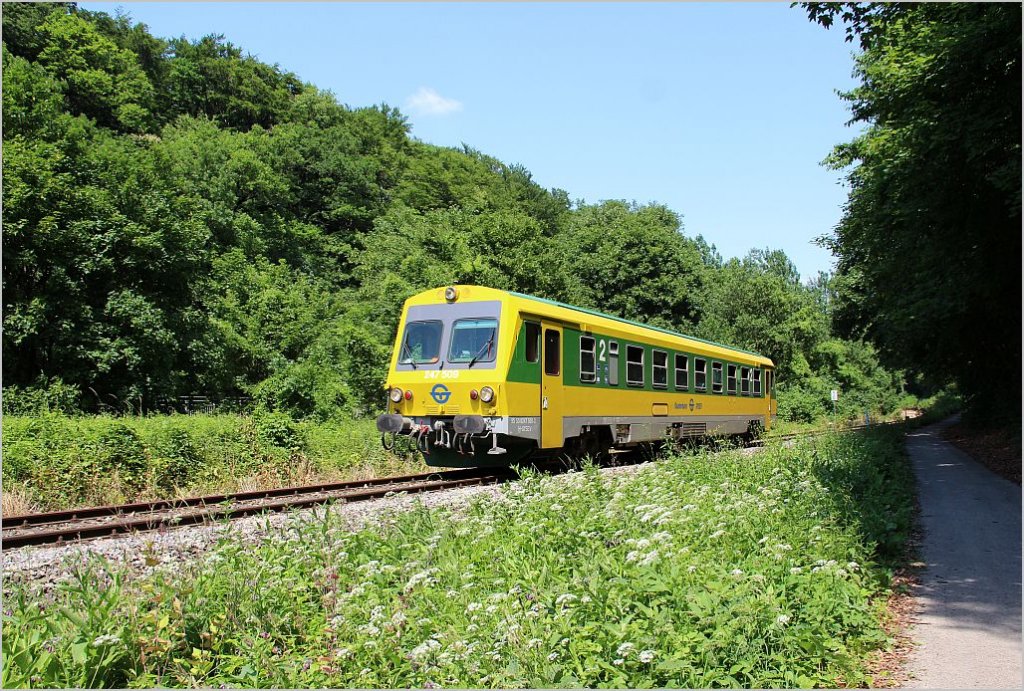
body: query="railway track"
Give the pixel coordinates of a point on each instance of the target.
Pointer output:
(71, 525)
(56, 527)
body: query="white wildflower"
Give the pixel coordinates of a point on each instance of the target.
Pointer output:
(534, 643)
(105, 639)
(618, 661)
(473, 606)
(424, 649)
(795, 570)
(782, 619)
(624, 649)
(646, 656)
(717, 534)
(633, 556)
(420, 577)
(567, 597)
(553, 656)
(737, 572)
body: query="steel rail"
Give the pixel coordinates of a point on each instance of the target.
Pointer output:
(65, 515)
(22, 536)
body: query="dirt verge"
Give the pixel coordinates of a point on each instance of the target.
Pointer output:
(998, 449)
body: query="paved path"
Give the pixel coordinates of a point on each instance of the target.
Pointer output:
(969, 621)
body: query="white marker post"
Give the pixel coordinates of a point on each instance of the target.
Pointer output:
(835, 397)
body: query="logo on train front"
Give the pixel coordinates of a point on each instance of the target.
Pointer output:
(440, 393)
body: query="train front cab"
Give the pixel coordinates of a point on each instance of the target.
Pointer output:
(448, 384)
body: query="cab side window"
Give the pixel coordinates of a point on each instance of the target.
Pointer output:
(532, 342)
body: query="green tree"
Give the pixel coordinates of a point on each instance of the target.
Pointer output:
(634, 262)
(759, 303)
(102, 81)
(929, 245)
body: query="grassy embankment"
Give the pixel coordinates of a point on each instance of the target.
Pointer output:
(703, 570)
(53, 461)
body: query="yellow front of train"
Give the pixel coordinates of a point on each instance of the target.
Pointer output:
(446, 382)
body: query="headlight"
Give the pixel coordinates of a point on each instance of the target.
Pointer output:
(396, 395)
(450, 293)
(487, 394)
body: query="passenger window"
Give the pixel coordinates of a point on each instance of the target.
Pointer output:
(731, 380)
(757, 383)
(700, 374)
(716, 377)
(613, 363)
(659, 374)
(552, 352)
(745, 380)
(588, 364)
(682, 371)
(532, 342)
(634, 365)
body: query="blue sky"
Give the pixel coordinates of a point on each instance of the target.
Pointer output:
(720, 111)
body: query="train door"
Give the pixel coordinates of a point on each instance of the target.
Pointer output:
(551, 388)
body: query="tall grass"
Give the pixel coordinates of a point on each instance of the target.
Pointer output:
(56, 461)
(702, 570)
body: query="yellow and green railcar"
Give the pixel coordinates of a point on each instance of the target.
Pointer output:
(481, 376)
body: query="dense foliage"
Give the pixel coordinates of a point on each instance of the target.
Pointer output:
(54, 461)
(180, 218)
(703, 571)
(930, 244)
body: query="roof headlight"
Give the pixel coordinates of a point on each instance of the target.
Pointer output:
(487, 394)
(450, 294)
(396, 395)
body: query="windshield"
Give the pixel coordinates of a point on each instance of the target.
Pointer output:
(473, 340)
(421, 342)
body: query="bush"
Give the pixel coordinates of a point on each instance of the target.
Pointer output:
(46, 396)
(800, 404)
(60, 461)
